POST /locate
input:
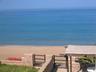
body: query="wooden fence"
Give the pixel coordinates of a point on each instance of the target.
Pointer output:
(38, 59)
(61, 61)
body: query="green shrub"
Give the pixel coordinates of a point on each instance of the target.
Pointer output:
(86, 59)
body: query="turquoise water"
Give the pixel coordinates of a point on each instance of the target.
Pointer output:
(48, 27)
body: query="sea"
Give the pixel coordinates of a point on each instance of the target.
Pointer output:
(48, 27)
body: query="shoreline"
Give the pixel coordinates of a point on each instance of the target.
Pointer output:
(29, 45)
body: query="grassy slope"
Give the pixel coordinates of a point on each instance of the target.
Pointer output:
(14, 68)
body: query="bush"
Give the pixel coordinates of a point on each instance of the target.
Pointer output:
(89, 60)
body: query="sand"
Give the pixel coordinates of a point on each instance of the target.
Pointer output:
(20, 50)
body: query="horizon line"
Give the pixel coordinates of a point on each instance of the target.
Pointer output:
(50, 9)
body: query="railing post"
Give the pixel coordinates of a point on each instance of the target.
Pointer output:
(44, 58)
(33, 58)
(67, 64)
(53, 58)
(0, 62)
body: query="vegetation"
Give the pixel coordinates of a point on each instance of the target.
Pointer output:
(88, 59)
(85, 62)
(14, 68)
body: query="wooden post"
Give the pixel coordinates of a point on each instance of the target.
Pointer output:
(67, 63)
(70, 63)
(33, 58)
(0, 62)
(53, 58)
(44, 58)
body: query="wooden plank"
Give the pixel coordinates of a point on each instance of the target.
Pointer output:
(58, 56)
(40, 59)
(39, 55)
(59, 60)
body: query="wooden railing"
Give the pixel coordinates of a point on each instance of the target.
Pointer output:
(56, 60)
(61, 61)
(38, 59)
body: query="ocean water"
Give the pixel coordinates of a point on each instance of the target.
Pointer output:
(48, 27)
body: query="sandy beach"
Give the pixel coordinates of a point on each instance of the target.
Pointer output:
(20, 50)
